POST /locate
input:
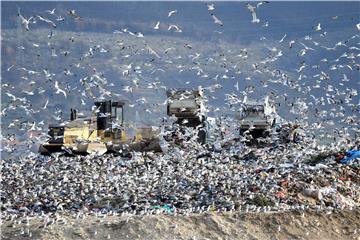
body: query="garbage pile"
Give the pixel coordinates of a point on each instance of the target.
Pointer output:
(187, 178)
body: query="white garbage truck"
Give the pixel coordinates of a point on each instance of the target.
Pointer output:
(257, 116)
(188, 106)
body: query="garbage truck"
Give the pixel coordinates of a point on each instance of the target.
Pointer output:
(257, 116)
(188, 106)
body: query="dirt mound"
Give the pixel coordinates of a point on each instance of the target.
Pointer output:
(339, 224)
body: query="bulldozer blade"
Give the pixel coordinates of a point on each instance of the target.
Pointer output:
(47, 149)
(146, 146)
(99, 148)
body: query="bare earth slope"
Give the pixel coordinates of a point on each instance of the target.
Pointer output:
(340, 224)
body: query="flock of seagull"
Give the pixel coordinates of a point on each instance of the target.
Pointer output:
(72, 13)
(188, 177)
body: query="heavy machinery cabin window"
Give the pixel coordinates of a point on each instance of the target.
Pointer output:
(117, 114)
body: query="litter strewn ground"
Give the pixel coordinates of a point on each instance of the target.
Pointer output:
(188, 186)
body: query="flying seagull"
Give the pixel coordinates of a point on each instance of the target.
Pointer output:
(281, 40)
(211, 7)
(216, 20)
(10, 68)
(41, 18)
(172, 12)
(157, 25)
(73, 14)
(261, 3)
(24, 21)
(318, 27)
(253, 13)
(177, 29)
(291, 43)
(51, 12)
(58, 89)
(47, 101)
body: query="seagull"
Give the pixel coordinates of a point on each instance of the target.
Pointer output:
(73, 14)
(51, 12)
(46, 20)
(318, 27)
(291, 43)
(253, 13)
(237, 86)
(151, 51)
(13, 98)
(59, 90)
(211, 7)
(177, 29)
(358, 26)
(50, 34)
(216, 20)
(47, 101)
(127, 89)
(10, 68)
(340, 44)
(24, 21)
(157, 25)
(345, 78)
(306, 47)
(53, 52)
(28, 92)
(281, 40)
(261, 3)
(139, 35)
(172, 12)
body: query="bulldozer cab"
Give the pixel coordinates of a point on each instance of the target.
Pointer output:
(117, 114)
(110, 119)
(56, 134)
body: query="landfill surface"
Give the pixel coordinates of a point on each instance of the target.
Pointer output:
(183, 186)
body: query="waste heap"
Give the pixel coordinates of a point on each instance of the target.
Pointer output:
(187, 178)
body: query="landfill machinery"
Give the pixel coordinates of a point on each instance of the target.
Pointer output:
(189, 109)
(257, 116)
(103, 132)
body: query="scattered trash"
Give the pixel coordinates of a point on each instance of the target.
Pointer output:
(315, 159)
(350, 156)
(164, 207)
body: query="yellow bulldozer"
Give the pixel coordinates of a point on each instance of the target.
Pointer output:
(101, 133)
